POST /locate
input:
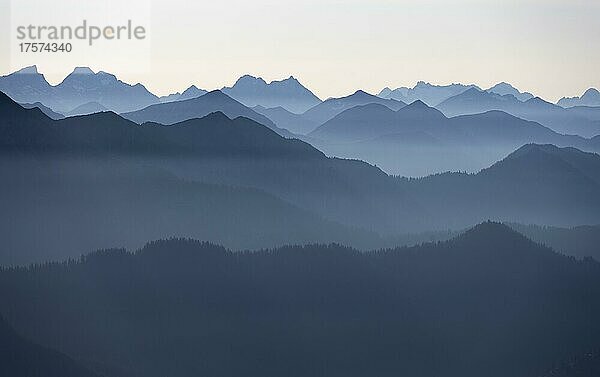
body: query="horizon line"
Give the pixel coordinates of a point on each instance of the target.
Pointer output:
(286, 77)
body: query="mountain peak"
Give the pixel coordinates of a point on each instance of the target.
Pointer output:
(82, 71)
(215, 116)
(417, 104)
(193, 89)
(360, 93)
(491, 231)
(385, 92)
(250, 80)
(421, 110)
(502, 86)
(216, 94)
(548, 161)
(501, 242)
(591, 92)
(288, 93)
(533, 149)
(537, 101)
(191, 92)
(536, 147)
(591, 97)
(290, 82)
(31, 70)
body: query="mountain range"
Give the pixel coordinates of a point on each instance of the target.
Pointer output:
(295, 123)
(187, 161)
(419, 140)
(429, 231)
(494, 127)
(80, 87)
(579, 241)
(294, 107)
(214, 135)
(215, 101)
(303, 124)
(87, 108)
(433, 95)
(538, 184)
(46, 110)
(331, 107)
(191, 92)
(487, 302)
(278, 190)
(591, 97)
(559, 119)
(425, 92)
(288, 94)
(504, 88)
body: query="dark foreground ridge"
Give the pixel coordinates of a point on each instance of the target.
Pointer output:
(488, 302)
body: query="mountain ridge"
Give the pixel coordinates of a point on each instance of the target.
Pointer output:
(331, 107)
(591, 97)
(504, 88)
(287, 93)
(559, 119)
(501, 288)
(430, 94)
(79, 87)
(178, 111)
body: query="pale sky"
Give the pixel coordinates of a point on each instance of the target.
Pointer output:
(547, 47)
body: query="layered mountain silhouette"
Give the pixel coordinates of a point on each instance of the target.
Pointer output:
(215, 101)
(591, 97)
(183, 308)
(334, 106)
(80, 87)
(565, 121)
(213, 135)
(418, 140)
(218, 151)
(87, 108)
(46, 110)
(21, 357)
(189, 93)
(141, 168)
(301, 269)
(27, 85)
(425, 92)
(504, 88)
(55, 207)
(375, 120)
(580, 241)
(83, 86)
(295, 123)
(288, 94)
(537, 184)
